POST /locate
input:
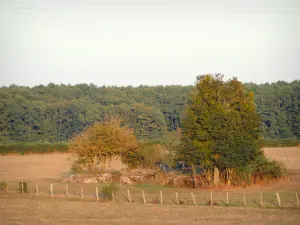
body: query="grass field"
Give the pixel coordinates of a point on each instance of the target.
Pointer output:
(29, 209)
(54, 211)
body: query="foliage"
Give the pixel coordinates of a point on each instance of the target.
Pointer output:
(103, 141)
(107, 189)
(77, 167)
(116, 176)
(153, 154)
(132, 159)
(3, 185)
(55, 113)
(27, 148)
(220, 125)
(265, 169)
(242, 175)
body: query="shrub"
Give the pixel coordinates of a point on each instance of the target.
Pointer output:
(132, 159)
(3, 185)
(103, 141)
(116, 176)
(107, 190)
(153, 154)
(242, 175)
(264, 169)
(76, 167)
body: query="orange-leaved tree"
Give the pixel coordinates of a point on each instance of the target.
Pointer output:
(101, 142)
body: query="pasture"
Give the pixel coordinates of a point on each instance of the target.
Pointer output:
(46, 169)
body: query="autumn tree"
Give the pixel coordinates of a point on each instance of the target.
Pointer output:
(103, 141)
(220, 126)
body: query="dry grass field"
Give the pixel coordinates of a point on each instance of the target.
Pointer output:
(54, 211)
(40, 167)
(29, 209)
(291, 159)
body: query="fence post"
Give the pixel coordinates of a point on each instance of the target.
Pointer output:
(278, 200)
(22, 187)
(227, 199)
(97, 195)
(81, 192)
(161, 198)
(297, 200)
(261, 200)
(67, 191)
(51, 189)
(144, 199)
(177, 199)
(37, 189)
(211, 198)
(5, 182)
(113, 196)
(244, 199)
(128, 193)
(193, 197)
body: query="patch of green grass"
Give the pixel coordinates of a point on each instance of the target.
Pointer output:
(107, 190)
(3, 185)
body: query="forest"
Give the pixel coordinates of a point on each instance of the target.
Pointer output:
(56, 113)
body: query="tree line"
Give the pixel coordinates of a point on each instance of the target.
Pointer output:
(56, 113)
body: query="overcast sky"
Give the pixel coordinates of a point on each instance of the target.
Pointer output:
(147, 42)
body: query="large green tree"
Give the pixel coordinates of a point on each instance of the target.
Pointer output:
(220, 125)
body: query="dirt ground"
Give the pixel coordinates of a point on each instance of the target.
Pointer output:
(26, 210)
(29, 209)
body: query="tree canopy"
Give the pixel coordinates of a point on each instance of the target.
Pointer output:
(55, 113)
(102, 142)
(220, 127)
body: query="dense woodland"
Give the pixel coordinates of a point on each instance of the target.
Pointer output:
(55, 113)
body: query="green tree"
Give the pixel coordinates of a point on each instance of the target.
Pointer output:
(220, 125)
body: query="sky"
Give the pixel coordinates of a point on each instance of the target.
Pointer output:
(149, 42)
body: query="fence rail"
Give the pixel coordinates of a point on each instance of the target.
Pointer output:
(158, 195)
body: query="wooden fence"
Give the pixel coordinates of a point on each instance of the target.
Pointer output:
(158, 195)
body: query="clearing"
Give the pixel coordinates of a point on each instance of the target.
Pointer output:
(49, 168)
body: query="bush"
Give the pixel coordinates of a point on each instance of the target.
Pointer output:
(76, 167)
(132, 159)
(116, 176)
(107, 190)
(153, 154)
(27, 148)
(242, 175)
(260, 169)
(264, 169)
(3, 186)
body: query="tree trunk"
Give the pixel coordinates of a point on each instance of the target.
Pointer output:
(228, 175)
(216, 176)
(194, 176)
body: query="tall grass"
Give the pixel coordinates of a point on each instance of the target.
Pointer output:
(107, 190)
